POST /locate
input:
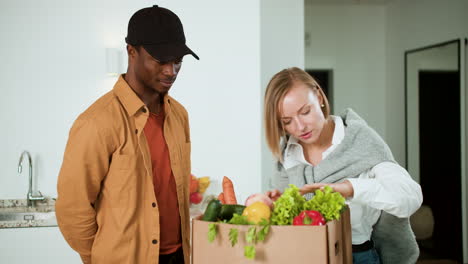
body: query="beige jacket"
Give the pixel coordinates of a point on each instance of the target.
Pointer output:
(106, 207)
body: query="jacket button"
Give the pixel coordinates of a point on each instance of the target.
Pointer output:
(136, 131)
(143, 110)
(155, 241)
(153, 204)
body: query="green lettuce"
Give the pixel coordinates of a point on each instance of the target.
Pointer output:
(288, 205)
(291, 203)
(329, 203)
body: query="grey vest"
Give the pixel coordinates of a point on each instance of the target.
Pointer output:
(361, 149)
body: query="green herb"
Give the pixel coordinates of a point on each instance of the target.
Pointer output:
(239, 220)
(251, 235)
(263, 222)
(261, 235)
(288, 205)
(233, 232)
(249, 252)
(212, 231)
(329, 203)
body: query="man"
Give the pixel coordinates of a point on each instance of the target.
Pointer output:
(123, 188)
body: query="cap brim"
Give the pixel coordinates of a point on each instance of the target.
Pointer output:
(169, 52)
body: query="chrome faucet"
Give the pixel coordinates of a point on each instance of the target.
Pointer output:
(30, 197)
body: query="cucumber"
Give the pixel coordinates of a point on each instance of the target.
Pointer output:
(228, 210)
(212, 211)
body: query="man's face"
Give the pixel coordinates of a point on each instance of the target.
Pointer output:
(154, 75)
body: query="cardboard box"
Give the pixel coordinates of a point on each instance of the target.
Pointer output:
(330, 243)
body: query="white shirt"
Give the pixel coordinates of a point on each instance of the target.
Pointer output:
(387, 186)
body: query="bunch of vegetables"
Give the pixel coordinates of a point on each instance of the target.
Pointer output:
(198, 187)
(255, 212)
(261, 212)
(290, 204)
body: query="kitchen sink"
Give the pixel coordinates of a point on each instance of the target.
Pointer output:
(16, 213)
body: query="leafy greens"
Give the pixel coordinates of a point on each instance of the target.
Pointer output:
(329, 203)
(288, 205)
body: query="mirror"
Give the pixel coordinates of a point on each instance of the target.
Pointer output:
(433, 142)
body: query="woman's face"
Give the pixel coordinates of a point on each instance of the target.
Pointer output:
(301, 114)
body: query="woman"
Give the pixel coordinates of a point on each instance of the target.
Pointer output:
(314, 149)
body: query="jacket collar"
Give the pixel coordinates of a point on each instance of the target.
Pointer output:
(130, 100)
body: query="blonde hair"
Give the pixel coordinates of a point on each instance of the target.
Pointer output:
(279, 85)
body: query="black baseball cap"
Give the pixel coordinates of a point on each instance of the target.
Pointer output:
(160, 32)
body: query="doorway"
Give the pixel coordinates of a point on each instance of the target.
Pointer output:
(440, 161)
(325, 79)
(434, 145)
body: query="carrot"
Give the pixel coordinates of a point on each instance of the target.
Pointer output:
(228, 190)
(221, 198)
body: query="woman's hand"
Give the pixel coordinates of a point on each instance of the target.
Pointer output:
(345, 188)
(273, 194)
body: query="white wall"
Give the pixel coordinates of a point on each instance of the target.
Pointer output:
(221, 91)
(53, 67)
(410, 25)
(350, 39)
(282, 46)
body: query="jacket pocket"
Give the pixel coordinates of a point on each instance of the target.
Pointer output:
(120, 184)
(123, 162)
(119, 191)
(122, 171)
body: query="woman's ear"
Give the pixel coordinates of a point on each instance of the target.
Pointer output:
(320, 99)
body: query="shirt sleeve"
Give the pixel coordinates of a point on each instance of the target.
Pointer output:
(388, 187)
(85, 163)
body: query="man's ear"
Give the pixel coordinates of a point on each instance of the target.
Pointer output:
(131, 51)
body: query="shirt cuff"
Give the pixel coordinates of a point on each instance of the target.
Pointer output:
(363, 189)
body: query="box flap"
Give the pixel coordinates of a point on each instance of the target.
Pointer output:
(335, 253)
(347, 236)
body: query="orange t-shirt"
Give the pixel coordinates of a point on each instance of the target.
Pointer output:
(164, 185)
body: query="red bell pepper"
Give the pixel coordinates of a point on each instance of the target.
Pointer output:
(309, 217)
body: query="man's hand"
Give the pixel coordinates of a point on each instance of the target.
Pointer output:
(273, 194)
(345, 188)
